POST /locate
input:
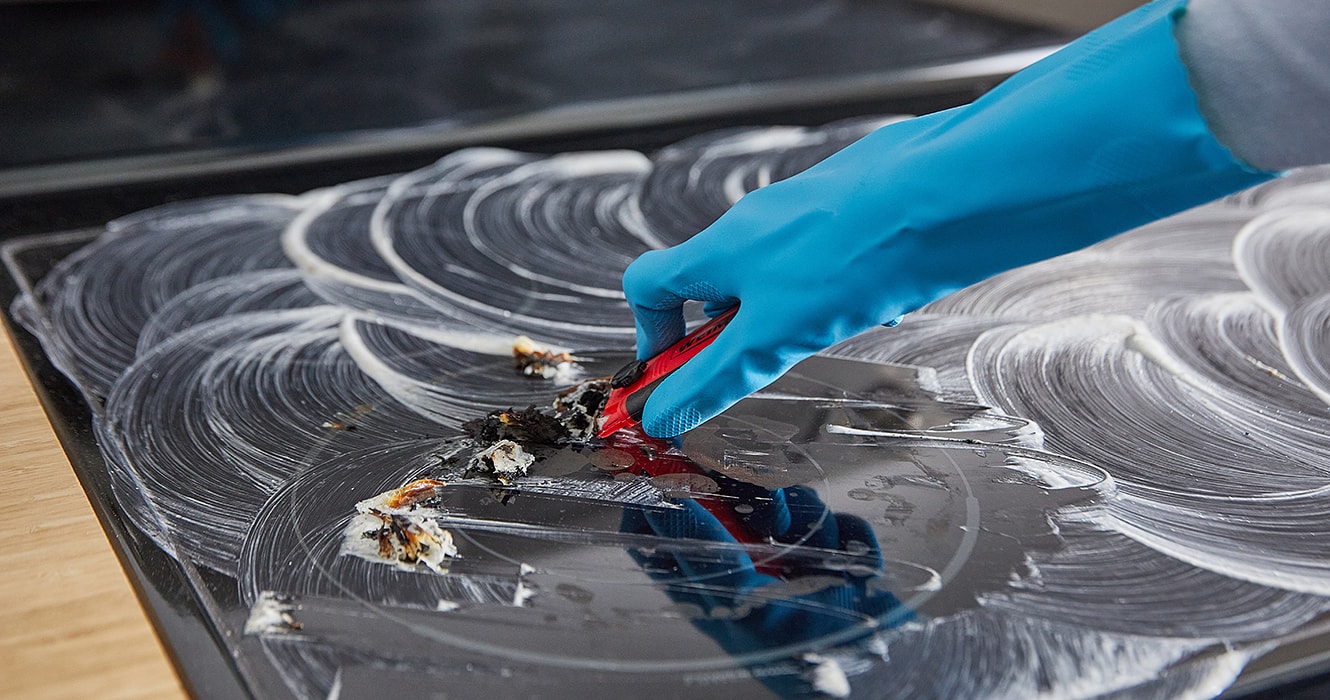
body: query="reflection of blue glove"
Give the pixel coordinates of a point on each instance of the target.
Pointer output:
(1103, 136)
(743, 608)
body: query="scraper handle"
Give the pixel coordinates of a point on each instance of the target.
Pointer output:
(633, 384)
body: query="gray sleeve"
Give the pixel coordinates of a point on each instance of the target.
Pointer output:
(1261, 69)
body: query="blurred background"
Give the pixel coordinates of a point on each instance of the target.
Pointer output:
(110, 79)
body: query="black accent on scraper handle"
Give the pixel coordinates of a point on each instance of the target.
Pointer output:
(636, 402)
(628, 374)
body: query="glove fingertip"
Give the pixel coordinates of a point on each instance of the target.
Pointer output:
(672, 421)
(714, 380)
(657, 330)
(694, 394)
(644, 281)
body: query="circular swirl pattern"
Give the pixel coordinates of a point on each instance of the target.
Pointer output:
(1108, 471)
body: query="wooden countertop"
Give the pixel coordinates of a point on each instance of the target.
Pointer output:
(70, 625)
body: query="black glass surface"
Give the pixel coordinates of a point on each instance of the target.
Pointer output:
(827, 538)
(83, 80)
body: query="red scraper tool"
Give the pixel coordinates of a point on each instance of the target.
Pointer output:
(634, 382)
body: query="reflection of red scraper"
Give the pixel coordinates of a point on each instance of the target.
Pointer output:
(635, 381)
(655, 458)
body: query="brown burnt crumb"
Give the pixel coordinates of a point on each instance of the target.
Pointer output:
(579, 407)
(384, 537)
(384, 534)
(402, 526)
(527, 426)
(343, 420)
(591, 395)
(398, 531)
(410, 544)
(532, 360)
(273, 614)
(505, 460)
(414, 493)
(572, 417)
(505, 443)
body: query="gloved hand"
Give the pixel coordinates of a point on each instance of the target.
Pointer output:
(1103, 136)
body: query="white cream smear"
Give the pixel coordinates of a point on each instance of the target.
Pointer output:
(393, 527)
(256, 365)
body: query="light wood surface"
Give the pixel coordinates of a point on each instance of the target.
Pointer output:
(70, 625)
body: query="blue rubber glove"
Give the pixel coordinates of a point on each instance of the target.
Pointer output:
(1101, 137)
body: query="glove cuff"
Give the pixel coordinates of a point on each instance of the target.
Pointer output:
(1101, 137)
